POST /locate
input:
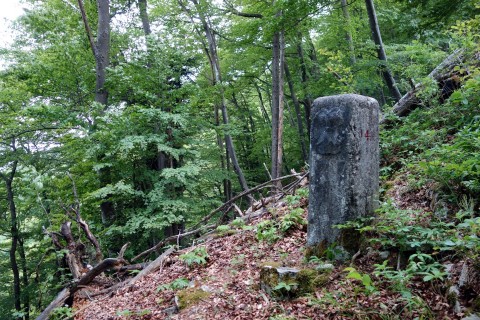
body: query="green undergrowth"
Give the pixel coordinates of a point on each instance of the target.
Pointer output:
(271, 230)
(439, 144)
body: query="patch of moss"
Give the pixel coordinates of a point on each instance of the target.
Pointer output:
(294, 284)
(310, 279)
(350, 240)
(476, 304)
(190, 296)
(273, 264)
(318, 250)
(221, 234)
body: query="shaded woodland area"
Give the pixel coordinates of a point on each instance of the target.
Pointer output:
(126, 123)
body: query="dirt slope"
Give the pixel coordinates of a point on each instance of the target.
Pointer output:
(227, 286)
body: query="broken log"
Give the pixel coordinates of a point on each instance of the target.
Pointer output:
(410, 100)
(154, 265)
(106, 264)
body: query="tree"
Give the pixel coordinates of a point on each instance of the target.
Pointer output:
(211, 50)
(101, 53)
(382, 56)
(278, 67)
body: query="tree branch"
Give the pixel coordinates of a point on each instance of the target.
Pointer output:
(87, 28)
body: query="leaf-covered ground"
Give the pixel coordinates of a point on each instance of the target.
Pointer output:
(229, 285)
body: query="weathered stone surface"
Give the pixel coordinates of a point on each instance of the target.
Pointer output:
(344, 169)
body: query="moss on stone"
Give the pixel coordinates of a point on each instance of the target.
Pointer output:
(476, 304)
(190, 296)
(309, 280)
(273, 264)
(318, 250)
(299, 282)
(350, 240)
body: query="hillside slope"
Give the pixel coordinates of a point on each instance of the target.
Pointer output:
(226, 284)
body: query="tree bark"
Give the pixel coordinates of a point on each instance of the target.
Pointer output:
(277, 104)
(25, 282)
(382, 56)
(101, 54)
(14, 232)
(296, 104)
(348, 33)
(142, 6)
(212, 54)
(307, 100)
(262, 105)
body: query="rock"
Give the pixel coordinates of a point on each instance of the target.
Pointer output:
(463, 280)
(452, 297)
(287, 283)
(171, 311)
(344, 171)
(325, 267)
(384, 255)
(190, 296)
(472, 317)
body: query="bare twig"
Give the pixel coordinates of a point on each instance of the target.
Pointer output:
(170, 239)
(240, 195)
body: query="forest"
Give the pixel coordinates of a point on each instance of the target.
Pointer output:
(130, 127)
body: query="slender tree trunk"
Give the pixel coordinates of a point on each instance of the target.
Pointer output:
(277, 105)
(307, 100)
(25, 282)
(102, 56)
(142, 6)
(227, 185)
(348, 34)
(217, 80)
(14, 232)
(262, 105)
(296, 104)
(101, 53)
(382, 56)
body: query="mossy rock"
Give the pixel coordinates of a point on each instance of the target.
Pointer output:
(288, 283)
(349, 241)
(476, 304)
(190, 296)
(274, 264)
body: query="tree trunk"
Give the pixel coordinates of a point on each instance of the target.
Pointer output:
(14, 233)
(307, 100)
(348, 33)
(262, 105)
(101, 54)
(142, 6)
(26, 293)
(15, 236)
(410, 100)
(217, 80)
(296, 104)
(277, 105)
(382, 56)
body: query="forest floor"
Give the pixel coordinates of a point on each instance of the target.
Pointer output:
(224, 282)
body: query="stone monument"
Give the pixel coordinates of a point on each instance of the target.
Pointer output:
(344, 171)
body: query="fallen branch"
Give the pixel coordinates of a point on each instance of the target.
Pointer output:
(84, 280)
(150, 268)
(171, 239)
(407, 103)
(240, 195)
